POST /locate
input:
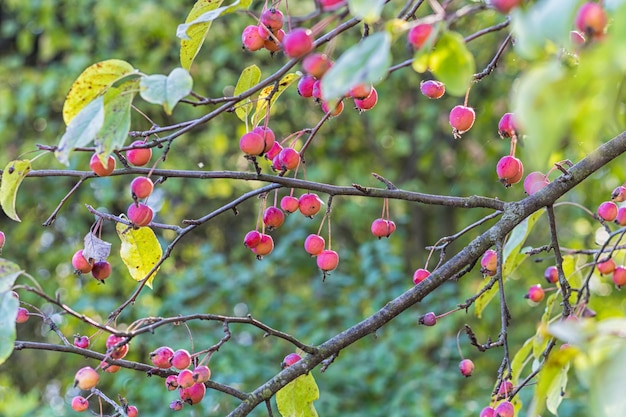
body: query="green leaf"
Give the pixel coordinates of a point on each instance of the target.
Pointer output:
(543, 27)
(91, 83)
(249, 77)
(367, 10)
(81, 130)
(542, 338)
(450, 61)
(166, 90)
(261, 106)
(364, 63)
(513, 257)
(296, 398)
(198, 23)
(140, 251)
(12, 177)
(519, 360)
(8, 308)
(607, 378)
(552, 381)
(114, 131)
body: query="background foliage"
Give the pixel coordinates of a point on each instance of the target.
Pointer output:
(402, 370)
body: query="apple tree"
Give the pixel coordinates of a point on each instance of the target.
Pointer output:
(313, 207)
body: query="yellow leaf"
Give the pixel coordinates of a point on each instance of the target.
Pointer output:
(261, 105)
(140, 251)
(189, 47)
(296, 398)
(249, 77)
(12, 177)
(91, 83)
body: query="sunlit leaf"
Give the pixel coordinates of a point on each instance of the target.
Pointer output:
(140, 251)
(81, 130)
(542, 338)
(364, 63)
(296, 398)
(114, 131)
(367, 10)
(450, 61)
(519, 360)
(8, 307)
(261, 106)
(552, 380)
(197, 24)
(12, 177)
(249, 77)
(91, 83)
(166, 90)
(95, 248)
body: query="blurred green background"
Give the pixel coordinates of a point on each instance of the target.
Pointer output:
(404, 369)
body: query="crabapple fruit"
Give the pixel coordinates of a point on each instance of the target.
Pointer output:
(309, 204)
(81, 342)
(185, 378)
(327, 260)
(305, 86)
(505, 6)
(316, 64)
(368, 102)
(418, 35)
(2, 240)
(314, 244)
(273, 19)
(335, 111)
(289, 204)
(535, 293)
(591, 19)
(288, 158)
(420, 275)
(466, 366)
(608, 211)
(80, 404)
(109, 368)
(252, 239)
(139, 156)
(328, 5)
(177, 405)
(268, 136)
(181, 359)
(101, 270)
(161, 357)
(534, 182)
(86, 378)
(132, 411)
(428, 319)
(252, 144)
(298, 43)
(489, 262)
(432, 89)
(290, 360)
(488, 412)
(619, 194)
(80, 264)
(361, 91)
(193, 394)
(619, 276)
(506, 126)
(505, 409)
(606, 267)
(551, 274)
(251, 39)
(461, 119)
(22, 315)
(621, 216)
(265, 246)
(510, 170)
(140, 214)
(201, 374)
(171, 382)
(381, 228)
(273, 217)
(96, 165)
(141, 187)
(505, 388)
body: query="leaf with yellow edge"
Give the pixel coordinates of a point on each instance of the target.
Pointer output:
(12, 177)
(140, 251)
(8, 307)
(197, 25)
(261, 106)
(296, 398)
(91, 83)
(249, 77)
